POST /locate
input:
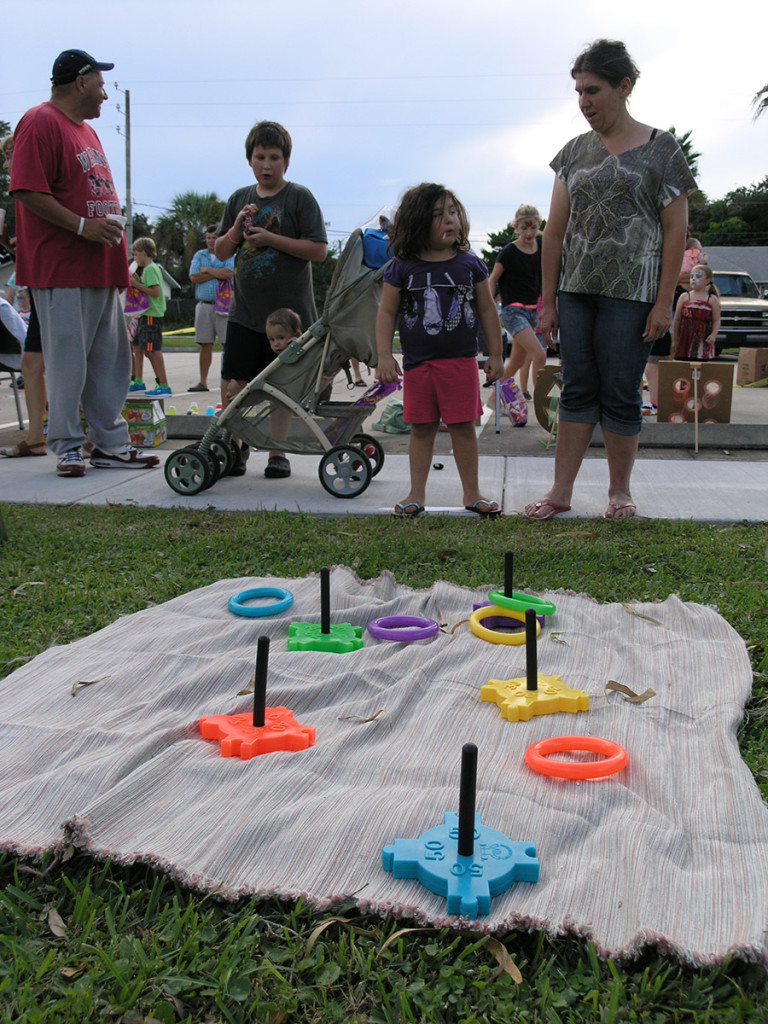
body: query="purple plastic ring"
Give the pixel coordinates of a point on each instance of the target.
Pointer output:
(403, 628)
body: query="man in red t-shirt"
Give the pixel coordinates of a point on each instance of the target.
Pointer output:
(71, 253)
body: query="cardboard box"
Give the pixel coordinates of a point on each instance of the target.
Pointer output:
(753, 365)
(146, 422)
(679, 394)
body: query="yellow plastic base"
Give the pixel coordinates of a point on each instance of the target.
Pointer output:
(519, 704)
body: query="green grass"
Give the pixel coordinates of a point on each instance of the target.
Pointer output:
(131, 946)
(184, 342)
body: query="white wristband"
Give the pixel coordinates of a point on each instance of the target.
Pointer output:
(82, 225)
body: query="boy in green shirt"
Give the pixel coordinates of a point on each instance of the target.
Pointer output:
(149, 332)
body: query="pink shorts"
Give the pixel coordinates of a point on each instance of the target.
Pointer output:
(442, 389)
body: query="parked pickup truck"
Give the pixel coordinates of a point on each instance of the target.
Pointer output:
(743, 312)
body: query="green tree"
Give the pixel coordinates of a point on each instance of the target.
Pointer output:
(685, 142)
(179, 232)
(496, 241)
(141, 226)
(741, 218)
(760, 102)
(321, 276)
(731, 231)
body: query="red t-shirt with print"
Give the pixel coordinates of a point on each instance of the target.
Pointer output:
(55, 156)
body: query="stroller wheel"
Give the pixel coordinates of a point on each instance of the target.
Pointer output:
(223, 454)
(372, 448)
(345, 471)
(213, 463)
(187, 471)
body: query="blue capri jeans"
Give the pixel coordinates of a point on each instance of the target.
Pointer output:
(604, 355)
(516, 318)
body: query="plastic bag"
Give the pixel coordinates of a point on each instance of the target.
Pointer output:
(512, 403)
(391, 420)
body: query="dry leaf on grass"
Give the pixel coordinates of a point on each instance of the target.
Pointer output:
(21, 589)
(404, 931)
(55, 923)
(345, 922)
(505, 961)
(73, 972)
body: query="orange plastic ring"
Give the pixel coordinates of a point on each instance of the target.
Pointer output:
(537, 757)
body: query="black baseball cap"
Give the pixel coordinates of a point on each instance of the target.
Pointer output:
(70, 64)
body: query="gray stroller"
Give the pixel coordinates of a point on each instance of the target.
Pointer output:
(285, 408)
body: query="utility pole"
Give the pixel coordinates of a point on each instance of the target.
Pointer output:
(127, 134)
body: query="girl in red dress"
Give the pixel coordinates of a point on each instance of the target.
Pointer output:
(697, 317)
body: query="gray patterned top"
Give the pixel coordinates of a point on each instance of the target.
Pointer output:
(613, 239)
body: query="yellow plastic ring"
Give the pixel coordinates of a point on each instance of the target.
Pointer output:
(493, 636)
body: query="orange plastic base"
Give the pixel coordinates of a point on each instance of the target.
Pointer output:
(519, 704)
(238, 735)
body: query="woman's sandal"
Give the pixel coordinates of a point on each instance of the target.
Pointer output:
(22, 450)
(616, 510)
(541, 511)
(484, 508)
(409, 510)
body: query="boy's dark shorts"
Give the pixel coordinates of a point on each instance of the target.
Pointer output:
(246, 353)
(149, 334)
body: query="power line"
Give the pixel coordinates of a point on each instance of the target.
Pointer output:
(348, 102)
(200, 82)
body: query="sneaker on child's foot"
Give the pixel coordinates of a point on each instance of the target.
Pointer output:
(131, 458)
(71, 463)
(137, 385)
(161, 391)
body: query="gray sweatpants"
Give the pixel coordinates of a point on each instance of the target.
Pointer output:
(87, 360)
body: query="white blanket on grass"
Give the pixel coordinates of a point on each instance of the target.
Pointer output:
(672, 851)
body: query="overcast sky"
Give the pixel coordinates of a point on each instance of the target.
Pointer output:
(476, 94)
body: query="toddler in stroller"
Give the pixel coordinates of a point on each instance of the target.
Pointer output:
(285, 407)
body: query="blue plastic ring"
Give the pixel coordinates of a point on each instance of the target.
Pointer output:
(403, 628)
(237, 607)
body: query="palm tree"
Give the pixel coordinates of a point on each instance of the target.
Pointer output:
(685, 142)
(179, 231)
(760, 102)
(192, 211)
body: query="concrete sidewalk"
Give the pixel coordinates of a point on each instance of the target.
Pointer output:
(723, 482)
(715, 491)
